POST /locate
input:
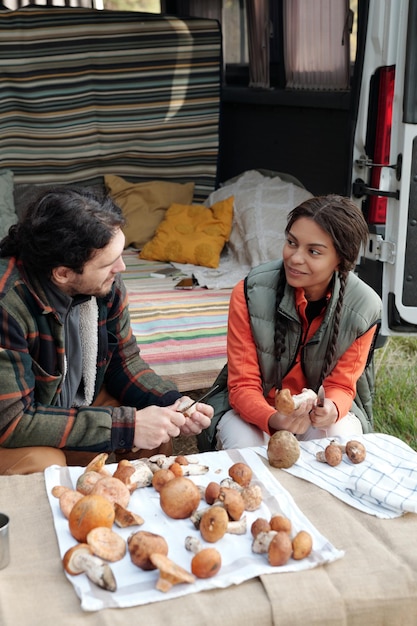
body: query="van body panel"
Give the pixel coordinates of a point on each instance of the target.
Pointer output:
(391, 41)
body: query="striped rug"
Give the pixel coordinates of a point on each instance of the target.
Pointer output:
(86, 93)
(181, 334)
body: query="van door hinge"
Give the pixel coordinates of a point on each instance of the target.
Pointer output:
(360, 188)
(365, 161)
(380, 250)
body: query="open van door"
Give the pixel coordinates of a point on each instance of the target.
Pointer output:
(384, 171)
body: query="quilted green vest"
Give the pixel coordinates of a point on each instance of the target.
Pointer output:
(361, 310)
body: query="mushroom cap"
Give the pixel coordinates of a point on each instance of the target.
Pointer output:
(169, 572)
(69, 559)
(87, 513)
(232, 501)
(260, 525)
(142, 544)
(333, 454)
(113, 489)
(283, 449)
(280, 522)
(213, 523)
(280, 548)
(356, 451)
(252, 497)
(206, 563)
(302, 545)
(241, 473)
(106, 543)
(179, 497)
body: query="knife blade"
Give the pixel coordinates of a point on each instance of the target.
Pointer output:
(321, 395)
(203, 397)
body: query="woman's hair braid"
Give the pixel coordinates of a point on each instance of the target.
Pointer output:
(331, 348)
(280, 327)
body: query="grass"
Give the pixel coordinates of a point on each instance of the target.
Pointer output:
(395, 401)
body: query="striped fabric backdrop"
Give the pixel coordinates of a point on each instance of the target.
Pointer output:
(181, 334)
(85, 93)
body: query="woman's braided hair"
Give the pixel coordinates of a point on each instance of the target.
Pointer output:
(343, 221)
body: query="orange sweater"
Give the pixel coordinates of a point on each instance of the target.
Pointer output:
(244, 379)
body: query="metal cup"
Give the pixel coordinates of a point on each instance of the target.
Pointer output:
(4, 541)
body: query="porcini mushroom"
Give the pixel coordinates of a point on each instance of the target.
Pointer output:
(356, 451)
(252, 497)
(144, 543)
(206, 562)
(179, 497)
(332, 454)
(232, 501)
(276, 544)
(214, 523)
(134, 475)
(283, 449)
(80, 559)
(241, 473)
(286, 403)
(169, 572)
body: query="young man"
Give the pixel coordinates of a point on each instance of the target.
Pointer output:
(73, 382)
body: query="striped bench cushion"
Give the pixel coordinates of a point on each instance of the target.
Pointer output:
(86, 93)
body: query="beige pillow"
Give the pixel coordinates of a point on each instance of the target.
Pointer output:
(192, 234)
(144, 204)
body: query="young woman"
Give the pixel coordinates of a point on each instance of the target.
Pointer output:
(301, 322)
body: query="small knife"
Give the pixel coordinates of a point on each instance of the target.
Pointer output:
(321, 395)
(203, 397)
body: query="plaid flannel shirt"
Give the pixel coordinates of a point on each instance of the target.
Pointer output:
(32, 361)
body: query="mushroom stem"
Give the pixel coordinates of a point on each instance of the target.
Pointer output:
(192, 544)
(160, 461)
(237, 527)
(262, 541)
(97, 571)
(79, 559)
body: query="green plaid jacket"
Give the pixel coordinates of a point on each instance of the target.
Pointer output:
(32, 357)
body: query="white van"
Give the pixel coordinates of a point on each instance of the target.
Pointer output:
(384, 171)
(357, 139)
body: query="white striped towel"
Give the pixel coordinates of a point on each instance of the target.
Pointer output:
(384, 484)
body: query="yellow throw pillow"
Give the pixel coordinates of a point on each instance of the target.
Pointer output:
(192, 234)
(144, 204)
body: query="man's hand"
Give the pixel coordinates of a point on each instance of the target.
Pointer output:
(156, 425)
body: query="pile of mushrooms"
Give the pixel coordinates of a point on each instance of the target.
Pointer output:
(101, 499)
(274, 538)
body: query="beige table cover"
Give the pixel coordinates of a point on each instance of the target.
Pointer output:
(374, 583)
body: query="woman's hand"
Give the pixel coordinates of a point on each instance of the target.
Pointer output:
(296, 422)
(324, 416)
(197, 418)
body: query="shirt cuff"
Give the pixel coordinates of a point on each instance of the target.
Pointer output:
(123, 428)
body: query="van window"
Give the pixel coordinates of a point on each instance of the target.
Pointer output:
(295, 44)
